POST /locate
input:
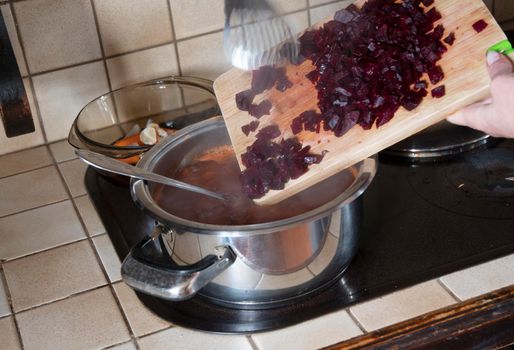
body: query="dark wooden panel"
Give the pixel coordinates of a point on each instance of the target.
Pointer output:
(486, 322)
(14, 107)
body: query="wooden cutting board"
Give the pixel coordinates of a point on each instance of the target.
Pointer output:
(466, 81)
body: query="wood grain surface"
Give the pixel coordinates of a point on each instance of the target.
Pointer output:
(466, 81)
(484, 322)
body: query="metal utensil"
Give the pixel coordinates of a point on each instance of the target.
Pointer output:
(255, 35)
(114, 166)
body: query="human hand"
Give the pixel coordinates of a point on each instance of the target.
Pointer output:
(494, 116)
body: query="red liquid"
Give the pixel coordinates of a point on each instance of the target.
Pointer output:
(218, 171)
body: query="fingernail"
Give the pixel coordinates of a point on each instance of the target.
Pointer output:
(492, 57)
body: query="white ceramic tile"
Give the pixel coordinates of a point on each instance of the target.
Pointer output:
(284, 6)
(62, 151)
(318, 2)
(39, 229)
(195, 17)
(5, 309)
(203, 56)
(158, 62)
(312, 334)
(57, 33)
(30, 159)
(327, 11)
(13, 38)
(73, 173)
(298, 21)
(52, 275)
(127, 25)
(141, 320)
(89, 216)
(31, 189)
(62, 94)
(110, 259)
(402, 305)
(12, 144)
(10, 339)
(481, 279)
(182, 338)
(125, 346)
(89, 320)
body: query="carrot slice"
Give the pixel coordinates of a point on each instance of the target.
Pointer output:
(133, 140)
(130, 160)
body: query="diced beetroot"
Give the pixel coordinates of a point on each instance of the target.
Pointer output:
(450, 39)
(244, 99)
(368, 63)
(439, 91)
(345, 15)
(260, 110)
(480, 25)
(434, 15)
(270, 164)
(251, 127)
(263, 79)
(422, 84)
(269, 132)
(312, 76)
(308, 120)
(283, 83)
(435, 74)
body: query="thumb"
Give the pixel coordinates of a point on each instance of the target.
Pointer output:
(498, 64)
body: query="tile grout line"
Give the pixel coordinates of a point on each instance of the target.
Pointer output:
(252, 342)
(70, 296)
(104, 61)
(309, 21)
(175, 45)
(175, 41)
(448, 290)
(100, 43)
(9, 300)
(325, 4)
(356, 321)
(44, 250)
(33, 208)
(25, 171)
(171, 325)
(35, 100)
(97, 256)
(118, 344)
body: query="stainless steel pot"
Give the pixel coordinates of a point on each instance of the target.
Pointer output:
(252, 266)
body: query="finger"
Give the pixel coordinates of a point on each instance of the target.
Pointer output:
(498, 64)
(475, 116)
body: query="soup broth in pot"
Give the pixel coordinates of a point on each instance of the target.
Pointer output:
(218, 170)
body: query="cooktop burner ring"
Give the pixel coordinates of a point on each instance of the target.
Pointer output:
(474, 184)
(440, 140)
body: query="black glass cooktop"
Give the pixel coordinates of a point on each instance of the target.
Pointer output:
(422, 220)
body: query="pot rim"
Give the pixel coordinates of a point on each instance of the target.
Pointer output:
(141, 194)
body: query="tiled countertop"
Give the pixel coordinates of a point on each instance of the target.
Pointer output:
(60, 286)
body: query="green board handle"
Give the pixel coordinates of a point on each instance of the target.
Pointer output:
(504, 47)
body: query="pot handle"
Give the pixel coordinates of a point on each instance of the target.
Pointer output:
(147, 269)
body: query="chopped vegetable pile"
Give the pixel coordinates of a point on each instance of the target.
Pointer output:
(368, 62)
